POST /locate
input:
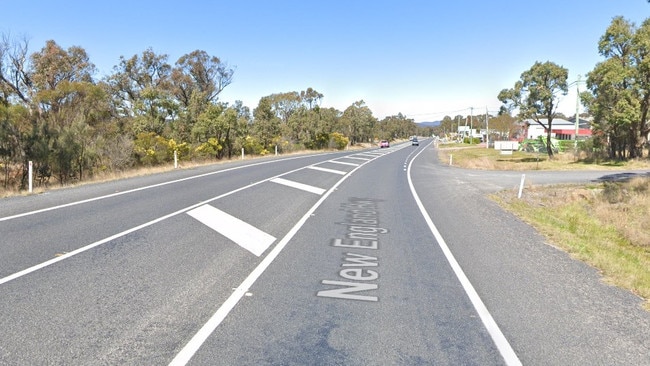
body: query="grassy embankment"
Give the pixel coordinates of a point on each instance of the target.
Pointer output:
(603, 224)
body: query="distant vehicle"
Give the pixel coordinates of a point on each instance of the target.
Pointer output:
(415, 142)
(384, 143)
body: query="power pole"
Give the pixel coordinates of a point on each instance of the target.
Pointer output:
(471, 125)
(487, 130)
(575, 142)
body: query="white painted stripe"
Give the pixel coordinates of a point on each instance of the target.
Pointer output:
(357, 158)
(184, 356)
(504, 347)
(342, 162)
(245, 235)
(333, 171)
(301, 186)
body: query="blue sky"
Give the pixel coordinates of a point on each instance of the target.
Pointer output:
(424, 59)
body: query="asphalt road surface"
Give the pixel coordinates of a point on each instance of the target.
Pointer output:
(373, 257)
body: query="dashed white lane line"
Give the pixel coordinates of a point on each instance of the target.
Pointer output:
(333, 171)
(245, 235)
(301, 186)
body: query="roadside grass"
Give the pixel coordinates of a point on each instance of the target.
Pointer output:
(580, 220)
(604, 225)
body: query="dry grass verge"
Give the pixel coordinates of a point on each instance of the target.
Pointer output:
(604, 225)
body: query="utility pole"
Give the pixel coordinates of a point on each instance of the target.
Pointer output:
(471, 125)
(575, 143)
(487, 130)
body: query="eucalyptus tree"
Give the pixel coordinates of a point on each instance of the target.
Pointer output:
(536, 95)
(266, 124)
(142, 90)
(447, 124)
(15, 78)
(311, 97)
(70, 108)
(324, 128)
(197, 80)
(394, 127)
(298, 114)
(358, 122)
(201, 74)
(285, 104)
(504, 125)
(619, 86)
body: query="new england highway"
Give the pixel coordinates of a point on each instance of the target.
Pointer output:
(366, 257)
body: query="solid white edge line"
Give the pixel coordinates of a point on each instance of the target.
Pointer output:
(504, 347)
(184, 356)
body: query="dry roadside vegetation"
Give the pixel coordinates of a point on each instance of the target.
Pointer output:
(605, 225)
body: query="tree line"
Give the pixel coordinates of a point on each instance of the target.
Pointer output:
(55, 113)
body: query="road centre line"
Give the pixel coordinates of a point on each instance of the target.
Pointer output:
(145, 188)
(244, 234)
(301, 186)
(333, 171)
(502, 344)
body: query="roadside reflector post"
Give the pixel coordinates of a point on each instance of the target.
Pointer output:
(521, 185)
(30, 176)
(175, 159)
(242, 153)
(450, 159)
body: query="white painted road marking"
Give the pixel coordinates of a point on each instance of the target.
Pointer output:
(357, 158)
(184, 356)
(245, 235)
(333, 171)
(369, 154)
(342, 163)
(304, 187)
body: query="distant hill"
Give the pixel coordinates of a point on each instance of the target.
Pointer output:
(429, 124)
